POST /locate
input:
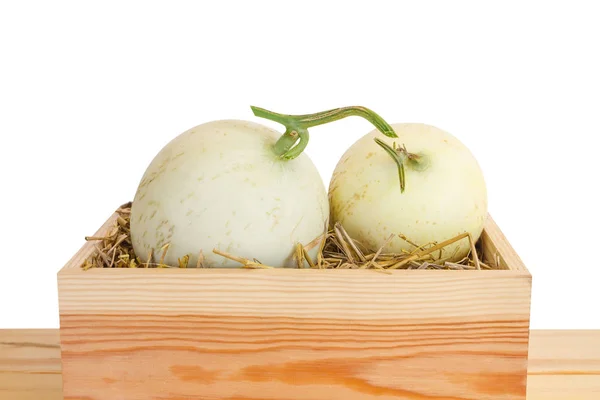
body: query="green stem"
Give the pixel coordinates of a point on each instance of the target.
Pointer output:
(293, 142)
(401, 156)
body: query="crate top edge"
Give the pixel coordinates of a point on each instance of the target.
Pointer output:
(491, 229)
(237, 272)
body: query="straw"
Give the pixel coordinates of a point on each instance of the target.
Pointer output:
(336, 250)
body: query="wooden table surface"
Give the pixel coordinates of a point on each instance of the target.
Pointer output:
(564, 365)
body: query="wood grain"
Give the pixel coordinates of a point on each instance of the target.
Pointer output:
(30, 366)
(301, 293)
(563, 365)
(262, 357)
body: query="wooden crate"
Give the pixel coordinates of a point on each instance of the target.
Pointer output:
(296, 334)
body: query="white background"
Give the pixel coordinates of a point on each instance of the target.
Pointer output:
(90, 92)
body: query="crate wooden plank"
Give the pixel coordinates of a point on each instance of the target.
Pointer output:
(497, 250)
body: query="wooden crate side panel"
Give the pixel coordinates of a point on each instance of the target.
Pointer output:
(194, 357)
(497, 249)
(345, 294)
(294, 334)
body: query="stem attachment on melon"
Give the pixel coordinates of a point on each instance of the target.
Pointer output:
(401, 157)
(293, 142)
